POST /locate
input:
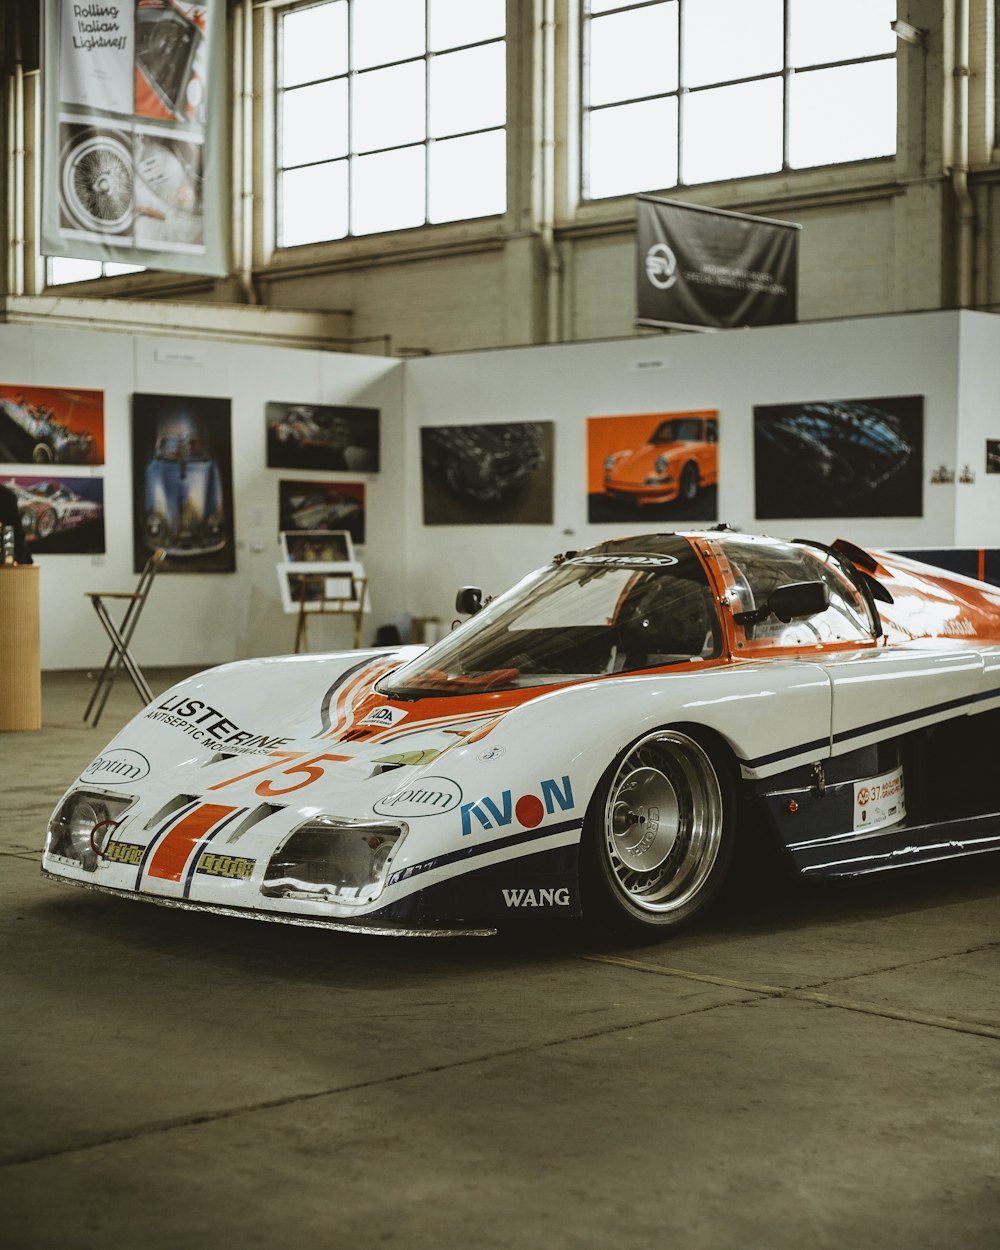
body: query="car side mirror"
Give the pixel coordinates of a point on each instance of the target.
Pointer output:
(793, 602)
(798, 600)
(469, 600)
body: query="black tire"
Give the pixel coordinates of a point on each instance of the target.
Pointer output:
(42, 454)
(658, 836)
(689, 485)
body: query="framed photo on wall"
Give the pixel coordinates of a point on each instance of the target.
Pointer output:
(51, 425)
(497, 474)
(312, 505)
(182, 483)
(60, 515)
(839, 458)
(656, 466)
(322, 437)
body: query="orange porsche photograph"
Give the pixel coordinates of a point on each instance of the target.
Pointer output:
(662, 465)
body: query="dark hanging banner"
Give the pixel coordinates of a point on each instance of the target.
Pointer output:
(709, 268)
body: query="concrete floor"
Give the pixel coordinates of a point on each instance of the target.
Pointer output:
(811, 1067)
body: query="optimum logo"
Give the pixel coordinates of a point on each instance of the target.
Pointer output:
(118, 767)
(430, 796)
(661, 266)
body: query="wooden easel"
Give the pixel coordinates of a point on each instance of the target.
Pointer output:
(329, 605)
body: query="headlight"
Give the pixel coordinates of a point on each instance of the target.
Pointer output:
(661, 464)
(609, 463)
(82, 825)
(329, 860)
(156, 525)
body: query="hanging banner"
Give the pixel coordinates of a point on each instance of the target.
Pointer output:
(712, 269)
(134, 153)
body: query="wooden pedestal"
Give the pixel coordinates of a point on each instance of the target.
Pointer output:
(20, 665)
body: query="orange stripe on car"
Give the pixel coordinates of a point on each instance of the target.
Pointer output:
(172, 854)
(345, 700)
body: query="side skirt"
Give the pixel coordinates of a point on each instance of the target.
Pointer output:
(897, 847)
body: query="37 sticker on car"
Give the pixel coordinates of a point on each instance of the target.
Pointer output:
(879, 801)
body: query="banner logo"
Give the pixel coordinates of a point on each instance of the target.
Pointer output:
(661, 266)
(696, 266)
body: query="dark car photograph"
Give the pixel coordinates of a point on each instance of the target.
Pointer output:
(487, 473)
(839, 458)
(322, 436)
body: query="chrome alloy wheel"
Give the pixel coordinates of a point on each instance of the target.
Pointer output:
(663, 823)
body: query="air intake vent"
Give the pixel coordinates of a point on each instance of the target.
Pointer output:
(254, 818)
(173, 805)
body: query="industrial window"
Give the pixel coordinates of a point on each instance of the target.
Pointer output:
(60, 270)
(679, 92)
(390, 114)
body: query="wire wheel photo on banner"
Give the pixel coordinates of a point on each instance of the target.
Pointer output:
(96, 179)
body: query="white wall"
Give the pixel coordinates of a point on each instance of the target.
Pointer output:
(977, 504)
(206, 618)
(733, 371)
(951, 358)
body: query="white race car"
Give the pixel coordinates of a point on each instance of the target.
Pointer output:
(594, 742)
(49, 507)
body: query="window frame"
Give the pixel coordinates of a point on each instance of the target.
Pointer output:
(785, 75)
(274, 171)
(124, 270)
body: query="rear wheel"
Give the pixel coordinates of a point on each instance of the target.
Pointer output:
(658, 837)
(45, 524)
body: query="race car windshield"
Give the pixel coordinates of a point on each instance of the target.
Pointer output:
(599, 613)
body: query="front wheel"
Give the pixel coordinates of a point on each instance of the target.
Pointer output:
(689, 484)
(658, 836)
